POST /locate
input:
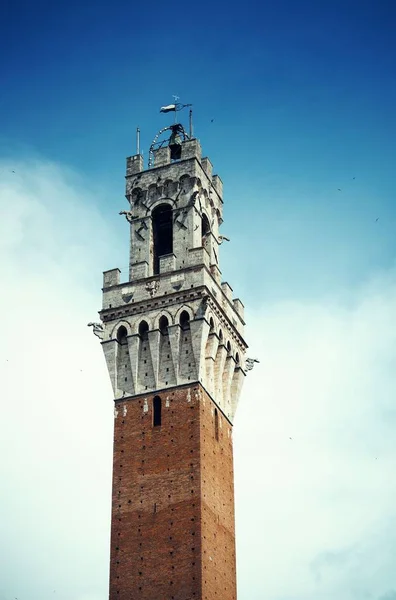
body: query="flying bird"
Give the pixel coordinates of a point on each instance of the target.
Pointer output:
(377, 219)
(353, 177)
(211, 120)
(339, 189)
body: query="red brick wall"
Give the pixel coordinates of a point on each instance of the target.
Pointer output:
(217, 501)
(172, 517)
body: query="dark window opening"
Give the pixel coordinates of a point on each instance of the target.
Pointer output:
(205, 228)
(237, 358)
(162, 233)
(163, 325)
(157, 411)
(216, 425)
(122, 335)
(211, 324)
(143, 331)
(185, 320)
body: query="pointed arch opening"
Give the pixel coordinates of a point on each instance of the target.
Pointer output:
(185, 320)
(163, 325)
(122, 335)
(143, 330)
(157, 411)
(162, 223)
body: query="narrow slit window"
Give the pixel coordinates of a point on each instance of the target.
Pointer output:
(216, 424)
(157, 411)
(205, 228)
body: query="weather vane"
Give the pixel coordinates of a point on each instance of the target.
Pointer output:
(178, 133)
(174, 107)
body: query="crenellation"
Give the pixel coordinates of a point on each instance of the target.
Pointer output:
(161, 157)
(139, 270)
(218, 185)
(216, 274)
(134, 164)
(191, 149)
(227, 290)
(194, 283)
(167, 263)
(111, 278)
(207, 167)
(239, 307)
(198, 256)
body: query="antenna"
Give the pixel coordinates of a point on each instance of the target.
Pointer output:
(191, 124)
(137, 140)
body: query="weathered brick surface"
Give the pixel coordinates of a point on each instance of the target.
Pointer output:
(217, 501)
(173, 507)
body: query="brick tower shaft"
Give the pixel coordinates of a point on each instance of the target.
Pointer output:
(173, 503)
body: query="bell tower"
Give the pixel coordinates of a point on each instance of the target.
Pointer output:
(172, 336)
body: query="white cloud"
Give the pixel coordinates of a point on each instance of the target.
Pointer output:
(315, 513)
(56, 398)
(327, 379)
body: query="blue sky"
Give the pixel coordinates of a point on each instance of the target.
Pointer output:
(302, 95)
(302, 98)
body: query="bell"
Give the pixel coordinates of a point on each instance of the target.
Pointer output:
(175, 151)
(175, 143)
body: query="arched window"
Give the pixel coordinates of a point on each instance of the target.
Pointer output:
(220, 337)
(163, 325)
(185, 320)
(157, 411)
(216, 424)
(229, 348)
(237, 358)
(143, 331)
(122, 335)
(162, 233)
(205, 227)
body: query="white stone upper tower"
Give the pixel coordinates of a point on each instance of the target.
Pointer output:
(173, 322)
